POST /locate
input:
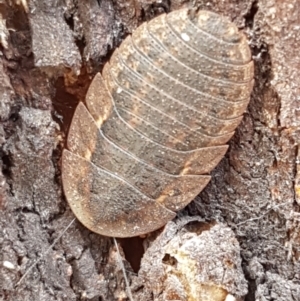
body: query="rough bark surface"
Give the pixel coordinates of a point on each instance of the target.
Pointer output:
(50, 50)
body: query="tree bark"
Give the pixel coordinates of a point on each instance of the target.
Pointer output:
(50, 51)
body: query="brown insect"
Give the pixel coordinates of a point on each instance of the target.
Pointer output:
(156, 122)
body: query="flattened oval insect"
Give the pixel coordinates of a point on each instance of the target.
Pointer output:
(156, 122)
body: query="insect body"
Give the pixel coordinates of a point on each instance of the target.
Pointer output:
(156, 122)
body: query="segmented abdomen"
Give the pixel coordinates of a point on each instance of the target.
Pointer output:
(156, 122)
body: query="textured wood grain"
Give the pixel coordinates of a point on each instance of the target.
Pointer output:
(156, 122)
